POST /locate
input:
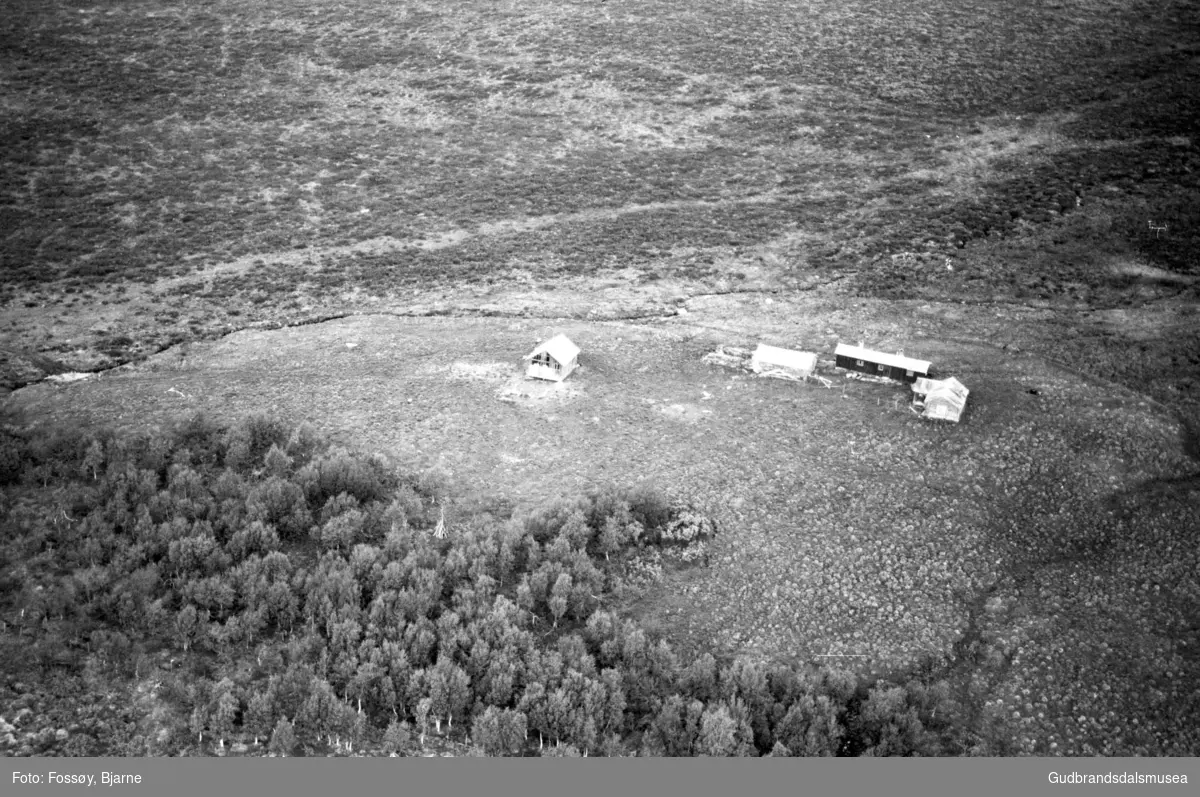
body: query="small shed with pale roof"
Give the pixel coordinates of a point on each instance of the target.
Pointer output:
(553, 359)
(786, 363)
(940, 399)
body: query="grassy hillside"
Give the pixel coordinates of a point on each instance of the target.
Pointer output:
(1039, 557)
(249, 589)
(979, 180)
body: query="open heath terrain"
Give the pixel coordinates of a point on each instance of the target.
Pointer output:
(360, 216)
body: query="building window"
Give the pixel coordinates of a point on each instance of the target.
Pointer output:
(908, 373)
(881, 368)
(858, 363)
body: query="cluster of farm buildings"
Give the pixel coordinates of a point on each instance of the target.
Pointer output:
(938, 399)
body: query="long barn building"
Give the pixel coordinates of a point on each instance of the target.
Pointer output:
(878, 363)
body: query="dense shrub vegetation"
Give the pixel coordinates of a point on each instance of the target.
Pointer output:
(253, 586)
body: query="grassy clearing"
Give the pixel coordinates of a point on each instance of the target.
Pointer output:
(1024, 555)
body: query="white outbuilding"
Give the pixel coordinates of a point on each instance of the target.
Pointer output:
(785, 363)
(940, 399)
(553, 359)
